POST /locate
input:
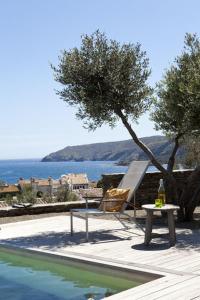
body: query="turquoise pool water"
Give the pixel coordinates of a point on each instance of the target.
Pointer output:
(23, 277)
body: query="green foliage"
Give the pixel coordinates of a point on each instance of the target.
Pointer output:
(192, 145)
(103, 78)
(8, 199)
(47, 198)
(63, 194)
(72, 196)
(177, 108)
(27, 195)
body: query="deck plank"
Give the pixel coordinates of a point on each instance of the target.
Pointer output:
(110, 243)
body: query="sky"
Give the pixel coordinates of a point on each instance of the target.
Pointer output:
(34, 121)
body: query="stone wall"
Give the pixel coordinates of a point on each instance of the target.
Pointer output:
(147, 191)
(45, 208)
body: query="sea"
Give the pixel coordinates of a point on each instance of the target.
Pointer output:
(12, 170)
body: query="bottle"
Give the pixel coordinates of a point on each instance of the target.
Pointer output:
(161, 192)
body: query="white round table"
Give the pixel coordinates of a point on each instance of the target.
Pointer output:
(169, 209)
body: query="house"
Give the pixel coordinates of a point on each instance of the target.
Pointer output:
(24, 184)
(51, 186)
(45, 186)
(41, 186)
(76, 181)
(9, 189)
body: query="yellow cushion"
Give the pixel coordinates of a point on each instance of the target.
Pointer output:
(120, 195)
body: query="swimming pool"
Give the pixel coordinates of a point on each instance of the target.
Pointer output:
(24, 276)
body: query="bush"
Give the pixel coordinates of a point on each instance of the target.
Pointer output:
(63, 194)
(27, 196)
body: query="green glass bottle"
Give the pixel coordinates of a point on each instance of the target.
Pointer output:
(161, 192)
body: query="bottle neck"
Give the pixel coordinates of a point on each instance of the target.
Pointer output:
(161, 187)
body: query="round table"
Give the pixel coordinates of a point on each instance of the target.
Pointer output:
(169, 209)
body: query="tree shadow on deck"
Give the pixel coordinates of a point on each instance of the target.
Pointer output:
(187, 234)
(55, 240)
(187, 239)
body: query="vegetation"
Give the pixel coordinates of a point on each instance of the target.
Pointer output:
(192, 145)
(63, 194)
(8, 199)
(176, 112)
(108, 82)
(27, 196)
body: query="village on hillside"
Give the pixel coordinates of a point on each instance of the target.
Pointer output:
(68, 187)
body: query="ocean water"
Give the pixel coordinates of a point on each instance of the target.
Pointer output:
(12, 170)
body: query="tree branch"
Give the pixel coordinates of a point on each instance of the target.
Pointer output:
(171, 160)
(148, 152)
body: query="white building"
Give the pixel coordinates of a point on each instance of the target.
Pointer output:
(76, 181)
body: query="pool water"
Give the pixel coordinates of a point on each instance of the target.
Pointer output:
(25, 277)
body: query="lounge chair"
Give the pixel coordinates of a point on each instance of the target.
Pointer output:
(131, 180)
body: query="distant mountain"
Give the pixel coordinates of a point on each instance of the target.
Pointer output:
(122, 151)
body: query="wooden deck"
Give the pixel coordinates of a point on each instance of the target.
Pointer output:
(110, 243)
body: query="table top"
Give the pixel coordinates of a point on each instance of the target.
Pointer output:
(165, 207)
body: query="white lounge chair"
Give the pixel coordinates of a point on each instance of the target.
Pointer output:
(131, 180)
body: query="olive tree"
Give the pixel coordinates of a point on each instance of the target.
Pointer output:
(177, 113)
(192, 145)
(108, 82)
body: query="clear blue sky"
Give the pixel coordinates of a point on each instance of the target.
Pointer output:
(33, 120)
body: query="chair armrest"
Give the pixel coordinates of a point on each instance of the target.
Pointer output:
(91, 198)
(112, 200)
(98, 199)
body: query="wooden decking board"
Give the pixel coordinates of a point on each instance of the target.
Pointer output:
(150, 291)
(150, 254)
(175, 290)
(184, 263)
(140, 290)
(192, 266)
(191, 291)
(158, 259)
(197, 271)
(130, 263)
(111, 244)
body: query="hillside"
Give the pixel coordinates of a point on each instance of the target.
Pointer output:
(122, 151)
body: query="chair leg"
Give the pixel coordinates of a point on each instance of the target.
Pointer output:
(118, 217)
(71, 222)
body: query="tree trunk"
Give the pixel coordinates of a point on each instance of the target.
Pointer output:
(171, 160)
(169, 179)
(192, 204)
(148, 152)
(190, 196)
